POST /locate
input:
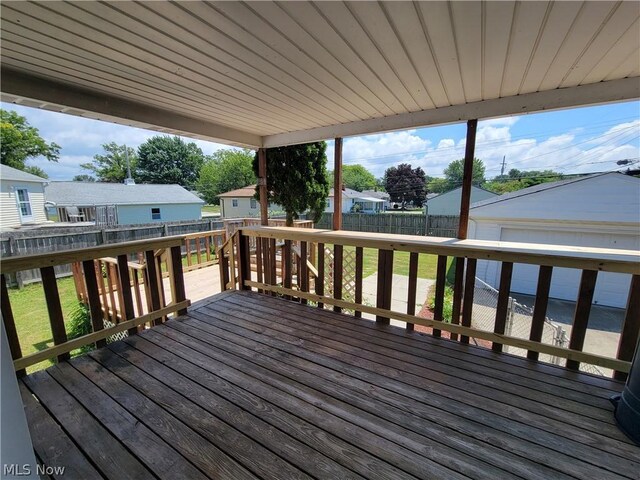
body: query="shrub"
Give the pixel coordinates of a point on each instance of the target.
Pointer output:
(447, 310)
(79, 325)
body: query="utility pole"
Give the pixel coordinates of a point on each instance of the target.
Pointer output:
(504, 157)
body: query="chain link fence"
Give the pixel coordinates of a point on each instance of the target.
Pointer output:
(519, 318)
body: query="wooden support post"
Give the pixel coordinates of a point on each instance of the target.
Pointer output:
(630, 328)
(467, 178)
(125, 291)
(262, 185)
(52, 298)
(502, 307)
(540, 307)
(177, 278)
(337, 185)
(152, 280)
(10, 324)
(93, 296)
(581, 315)
(244, 261)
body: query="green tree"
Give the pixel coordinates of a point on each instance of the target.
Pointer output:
(19, 142)
(405, 184)
(111, 166)
(83, 178)
(223, 171)
(519, 179)
(169, 160)
(453, 176)
(356, 177)
(297, 178)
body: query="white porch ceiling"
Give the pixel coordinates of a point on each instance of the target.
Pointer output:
(266, 74)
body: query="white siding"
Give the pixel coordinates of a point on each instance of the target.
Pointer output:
(449, 203)
(9, 215)
(241, 211)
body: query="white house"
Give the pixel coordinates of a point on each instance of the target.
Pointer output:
(21, 198)
(133, 204)
(366, 203)
(600, 210)
(384, 196)
(448, 203)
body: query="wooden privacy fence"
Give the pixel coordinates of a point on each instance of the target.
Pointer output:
(589, 261)
(58, 239)
(111, 288)
(396, 223)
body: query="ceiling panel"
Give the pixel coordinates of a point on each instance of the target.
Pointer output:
(295, 70)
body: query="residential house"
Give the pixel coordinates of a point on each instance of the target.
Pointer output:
(448, 203)
(21, 198)
(239, 203)
(594, 211)
(352, 200)
(125, 204)
(381, 196)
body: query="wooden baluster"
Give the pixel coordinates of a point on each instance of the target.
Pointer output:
(458, 292)
(152, 281)
(198, 241)
(273, 263)
(117, 291)
(56, 319)
(298, 268)
(136, 290)
(126, 296)
(110, 292)
(337, 274)
(177, 279)
(412, 287)
(540, 308)
(385, 284)
(630, 328)
(287, 274)
(303, 271)
(232, 264)
(266, 260)
(502, 307)
(469, 290)
(93, 296)
(320, 278)
(244, 260)
(160, 260)
(359, 268)
(581, 314)
(187, 245)
(223, 263)
(207, 246)
(103, 292)
(259, 262)
(10, 324)
(438, 301)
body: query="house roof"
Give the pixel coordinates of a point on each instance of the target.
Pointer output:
(10, 173)
(537, 189)
(245, 192)
(95, 193)
(266, 74)
(375, 194)
(454, 190)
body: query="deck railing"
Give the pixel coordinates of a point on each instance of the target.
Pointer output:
(110, 263)
(590, 261)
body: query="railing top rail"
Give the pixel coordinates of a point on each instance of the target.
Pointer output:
(586, 258)
(207, 233)
(52, 259)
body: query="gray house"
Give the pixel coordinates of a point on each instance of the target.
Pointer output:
(124, 204)
(21, 198)
(448, 203)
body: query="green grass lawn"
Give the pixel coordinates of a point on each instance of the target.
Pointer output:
(427, 264)
(211, 208)
(32, 319)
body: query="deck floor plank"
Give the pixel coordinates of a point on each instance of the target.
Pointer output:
(247, 385)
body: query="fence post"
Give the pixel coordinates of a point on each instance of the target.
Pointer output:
(509, 326)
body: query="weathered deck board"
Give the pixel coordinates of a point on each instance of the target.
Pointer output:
(248, 385)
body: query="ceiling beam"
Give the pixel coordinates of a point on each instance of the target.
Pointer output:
(18, 87)
(592, 94)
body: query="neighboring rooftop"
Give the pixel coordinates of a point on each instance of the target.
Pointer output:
(375, 194)
(90, 193)
(10, 173)
(245, 192)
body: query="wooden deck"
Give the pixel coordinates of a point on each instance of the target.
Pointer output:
(250, 386)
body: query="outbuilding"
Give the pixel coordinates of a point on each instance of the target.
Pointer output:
(601, 210)
(448, 203)
(21, 198)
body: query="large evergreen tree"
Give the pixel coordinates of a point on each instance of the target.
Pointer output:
(297, 178)
(111, 166)
(223, 171)
(169, 160)
(405, 184)
(20, 141)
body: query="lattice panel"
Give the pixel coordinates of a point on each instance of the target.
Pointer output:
(348, 273)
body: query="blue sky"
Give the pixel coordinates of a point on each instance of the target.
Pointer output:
(588, 139)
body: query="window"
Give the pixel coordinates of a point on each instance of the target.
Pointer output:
(24, 204)
(328, 203)
(234, 202)
(155, 214)
(254, 204)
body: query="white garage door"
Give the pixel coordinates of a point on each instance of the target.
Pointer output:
(612, 289)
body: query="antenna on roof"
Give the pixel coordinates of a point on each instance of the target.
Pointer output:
(129, 180)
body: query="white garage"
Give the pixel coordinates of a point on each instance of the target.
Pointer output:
(595, 211)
